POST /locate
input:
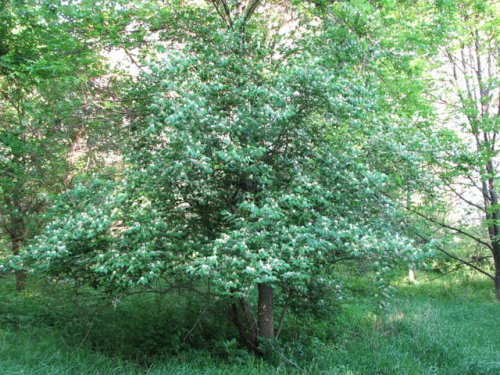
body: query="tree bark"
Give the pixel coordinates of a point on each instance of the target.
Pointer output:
(496, 259)
(246, 339)
(493, 219)
(497, 285)
(250, 320)
(266, 314)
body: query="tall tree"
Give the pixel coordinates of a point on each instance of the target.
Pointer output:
(465, 91)
(50, 101)
(254, 165)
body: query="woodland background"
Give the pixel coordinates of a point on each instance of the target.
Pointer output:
(249, 187)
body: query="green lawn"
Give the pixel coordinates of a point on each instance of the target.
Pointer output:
(445, 326)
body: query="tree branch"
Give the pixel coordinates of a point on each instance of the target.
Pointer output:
(457, 258)
(465, 199)
(457, 230)
(282, 319)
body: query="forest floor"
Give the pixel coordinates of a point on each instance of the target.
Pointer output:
(447, 325)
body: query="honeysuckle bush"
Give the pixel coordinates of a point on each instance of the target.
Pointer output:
(250, 161)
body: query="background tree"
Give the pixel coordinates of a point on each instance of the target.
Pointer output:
(52, 100)
(464, 90)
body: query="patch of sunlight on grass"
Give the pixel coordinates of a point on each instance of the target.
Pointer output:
(440, 326)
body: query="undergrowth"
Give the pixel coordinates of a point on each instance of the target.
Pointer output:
(440, 325)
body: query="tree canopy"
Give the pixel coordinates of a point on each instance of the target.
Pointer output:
(246, 149)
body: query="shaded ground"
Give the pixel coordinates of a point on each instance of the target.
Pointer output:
(445, 326)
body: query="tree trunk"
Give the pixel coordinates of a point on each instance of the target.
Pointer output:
(250, 320)
(265, 308)
(496, 258)
(493, 218)
(248, 339)
(497, 285)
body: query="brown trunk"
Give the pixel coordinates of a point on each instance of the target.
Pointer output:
(265, 308)
(497, 285)
(492, 217)
(245, 339)
(250, 320)
(496, 257)
(494, 233)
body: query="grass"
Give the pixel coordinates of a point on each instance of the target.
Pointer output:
(443, 326)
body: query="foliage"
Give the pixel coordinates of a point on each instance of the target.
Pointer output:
(292, 156)
(249, 163)
(52, 113)
(427, 328)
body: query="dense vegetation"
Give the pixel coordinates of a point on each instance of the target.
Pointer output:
(443, 326)
(241, 186)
